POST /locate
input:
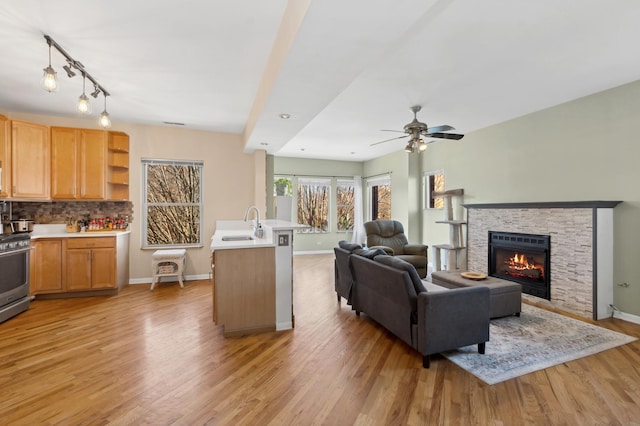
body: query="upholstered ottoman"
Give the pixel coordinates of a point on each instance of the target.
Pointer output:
(505, 297)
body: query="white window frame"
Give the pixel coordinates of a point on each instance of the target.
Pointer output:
(340, 182)
(144, 162)
(319, 181)
(384, 179)
(428, 203)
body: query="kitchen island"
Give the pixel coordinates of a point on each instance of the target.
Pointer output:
(253, 277)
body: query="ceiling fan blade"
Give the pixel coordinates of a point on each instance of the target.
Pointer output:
(389, 140)
(445, 136)
(437, 129)
(397, 131)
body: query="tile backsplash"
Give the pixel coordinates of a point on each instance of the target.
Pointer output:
(60, 211)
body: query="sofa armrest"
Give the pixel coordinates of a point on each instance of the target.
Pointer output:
(387, 249)
(452, 319)
(415, 249)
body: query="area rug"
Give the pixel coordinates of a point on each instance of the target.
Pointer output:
(536, 340)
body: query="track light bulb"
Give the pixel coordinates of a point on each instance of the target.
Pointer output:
(95, 92)
(84, 107)
(105, 121)
(49, 82)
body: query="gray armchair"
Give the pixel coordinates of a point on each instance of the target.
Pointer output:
(389, 236)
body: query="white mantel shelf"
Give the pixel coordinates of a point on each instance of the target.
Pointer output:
(547, 205)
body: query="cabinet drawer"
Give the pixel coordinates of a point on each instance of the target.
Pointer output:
(91, 242)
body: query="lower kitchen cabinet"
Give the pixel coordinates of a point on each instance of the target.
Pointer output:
(79, 265)
(46, 266)
(90, 263)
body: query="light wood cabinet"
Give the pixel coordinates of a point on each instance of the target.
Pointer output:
(45, 266)
(78, 163)
(90, 263)
(30, 160)
(5, 157)
(118, 166)
(244, 290)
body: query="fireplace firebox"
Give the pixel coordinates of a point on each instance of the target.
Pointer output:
(522, 258)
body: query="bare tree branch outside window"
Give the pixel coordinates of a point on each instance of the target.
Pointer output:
(313, 204)
(345, 203)
(173, 202)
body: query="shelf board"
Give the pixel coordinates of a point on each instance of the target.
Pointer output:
(452, 222)
(448, 247)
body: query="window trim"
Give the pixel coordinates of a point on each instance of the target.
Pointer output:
(427, 189)
(384, 179)
(319, 181)
(144, 162)
(344, 182)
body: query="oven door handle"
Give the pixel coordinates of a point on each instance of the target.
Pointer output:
(18, 251)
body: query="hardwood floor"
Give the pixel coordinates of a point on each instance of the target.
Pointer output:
(156, 358)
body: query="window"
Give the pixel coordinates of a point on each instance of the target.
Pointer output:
(379, 197)
(345, 204)
(172, 203)
(313, 204)
(433, 182)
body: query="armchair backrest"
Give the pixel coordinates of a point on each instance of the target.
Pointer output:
(384, 232)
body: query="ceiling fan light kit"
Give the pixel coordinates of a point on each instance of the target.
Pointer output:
(416, 129)
(50, 83)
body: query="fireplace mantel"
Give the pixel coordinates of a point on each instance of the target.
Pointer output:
(581, 247)
(547, 205)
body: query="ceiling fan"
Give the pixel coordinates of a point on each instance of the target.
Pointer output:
(416, 129)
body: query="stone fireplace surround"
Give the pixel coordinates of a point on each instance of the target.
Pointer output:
(581, 248)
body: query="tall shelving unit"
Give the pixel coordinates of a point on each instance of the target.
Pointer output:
(455, 249)
(118, 167)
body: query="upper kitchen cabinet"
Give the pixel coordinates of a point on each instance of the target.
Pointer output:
(30, 160)
(78, 163)
(5, 157)
(118, 166)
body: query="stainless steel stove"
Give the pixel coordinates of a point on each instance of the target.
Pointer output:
(14, 274)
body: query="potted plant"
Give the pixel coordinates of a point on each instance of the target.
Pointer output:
(283, 186)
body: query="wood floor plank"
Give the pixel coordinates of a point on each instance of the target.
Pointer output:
(157, 358)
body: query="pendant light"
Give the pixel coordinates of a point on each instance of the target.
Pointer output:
(49, 79)
(84, 107)
(105, 121)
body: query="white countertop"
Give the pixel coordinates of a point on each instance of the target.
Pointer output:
(226, 228)
(60, 231)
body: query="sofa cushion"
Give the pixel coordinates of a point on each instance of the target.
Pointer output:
(369, 253)
(346, 245)
(396, 262)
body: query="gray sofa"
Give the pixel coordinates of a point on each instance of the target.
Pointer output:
(389, 291)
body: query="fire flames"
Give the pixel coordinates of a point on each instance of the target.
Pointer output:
(518, 265)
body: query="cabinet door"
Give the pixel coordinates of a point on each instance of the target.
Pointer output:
(78, 265)
(103, 268)
(46, 267)
(64, 163)
(30, 160)
(5, 157)
(92, 171)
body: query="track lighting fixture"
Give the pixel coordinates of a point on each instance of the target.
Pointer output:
(84, 107)
(69, 71)
(415, 144)
(96, 91)
(105, 121)
(49, 79)
(49, 82)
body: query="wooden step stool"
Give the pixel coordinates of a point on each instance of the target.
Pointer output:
(166, 263)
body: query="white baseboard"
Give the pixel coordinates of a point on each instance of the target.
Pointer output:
(147, 280)
(295, 253)
(626, 317)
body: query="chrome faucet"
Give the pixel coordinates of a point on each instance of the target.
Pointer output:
(257, 231)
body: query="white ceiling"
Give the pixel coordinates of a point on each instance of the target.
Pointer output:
(355, 67)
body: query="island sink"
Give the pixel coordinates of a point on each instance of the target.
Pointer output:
(237, 238)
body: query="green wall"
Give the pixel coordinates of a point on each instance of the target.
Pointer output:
(587, 149)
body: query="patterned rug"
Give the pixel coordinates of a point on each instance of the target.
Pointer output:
(536, 340)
